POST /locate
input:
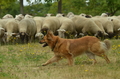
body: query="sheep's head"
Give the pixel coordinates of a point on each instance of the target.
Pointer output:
(44, 31)
(24, 37)
(61, 33)
(110, 34)
(39, 36)
(99, 34)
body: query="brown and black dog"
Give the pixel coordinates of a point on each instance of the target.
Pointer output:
(69, 48)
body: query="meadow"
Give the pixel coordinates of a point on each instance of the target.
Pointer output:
(23, 61)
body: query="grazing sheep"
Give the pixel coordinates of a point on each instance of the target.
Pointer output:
(107, 25)
(49, 15)
(104, 15)
(84, 15)
(50, 23)
(28, 16)
(7, 16)
(27, 30)
(11, 28)
(99, 24)
(19, 17)
(67, 28)
(86, 26)
(70, 14)
(2, 35)
(60, 15)
(39, 23)
(116, 23)
(3, 22)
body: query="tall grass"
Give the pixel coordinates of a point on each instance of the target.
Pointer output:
(23, 61)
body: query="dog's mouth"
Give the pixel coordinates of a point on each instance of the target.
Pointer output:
(44, 44)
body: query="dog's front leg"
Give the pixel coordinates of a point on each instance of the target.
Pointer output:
(53, 59)
(70, 59)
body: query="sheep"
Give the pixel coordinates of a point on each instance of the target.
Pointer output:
(100, 25)
(84, 15)
(104, 15)
(60, 15)
(116, 24)
(67, 27)
(49, 15)
(27, 30)
(107, 25)
(7, 16)
(2, 35)
(28, 16)
(11, 28)
(50, 23)
(70, 13)
(86, 26)
(3, 22)
(19, 17)
(39, 23)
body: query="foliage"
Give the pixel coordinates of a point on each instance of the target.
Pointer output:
(93, 7)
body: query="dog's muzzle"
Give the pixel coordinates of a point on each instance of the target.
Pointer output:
(44, 44)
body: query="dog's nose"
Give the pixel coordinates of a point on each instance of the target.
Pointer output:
(40, 42)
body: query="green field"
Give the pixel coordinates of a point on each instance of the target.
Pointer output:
(23, 61)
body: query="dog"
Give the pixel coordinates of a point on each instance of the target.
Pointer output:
(70, 48)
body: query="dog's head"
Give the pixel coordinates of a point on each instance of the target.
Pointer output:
(48, 39)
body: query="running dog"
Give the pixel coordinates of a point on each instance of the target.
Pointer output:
(70, 48)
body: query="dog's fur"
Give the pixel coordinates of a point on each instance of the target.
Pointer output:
(69, 48)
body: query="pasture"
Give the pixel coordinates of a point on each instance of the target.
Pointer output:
(23, 61)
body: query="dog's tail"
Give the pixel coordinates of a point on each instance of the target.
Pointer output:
(107, 44)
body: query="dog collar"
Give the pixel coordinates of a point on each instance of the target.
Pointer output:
(54, 45)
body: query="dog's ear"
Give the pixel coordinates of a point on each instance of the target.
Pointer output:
(49, 35)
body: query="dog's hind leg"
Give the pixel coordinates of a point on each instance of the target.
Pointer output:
(53, 59)
(103, 55)
(92, 57)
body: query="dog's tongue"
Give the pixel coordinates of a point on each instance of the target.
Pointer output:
(44, 45)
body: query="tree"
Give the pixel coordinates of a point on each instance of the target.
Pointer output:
(59, 6)
(113, 6)
(21, 7)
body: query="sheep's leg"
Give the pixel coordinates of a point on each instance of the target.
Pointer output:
(53, 59)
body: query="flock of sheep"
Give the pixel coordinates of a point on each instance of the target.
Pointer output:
(27, 28)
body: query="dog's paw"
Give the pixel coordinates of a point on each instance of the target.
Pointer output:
(44, 64)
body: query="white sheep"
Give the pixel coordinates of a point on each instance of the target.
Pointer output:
(7, 16)
(67, 28)
(107, 25)
(2, 35)
(28, 16)
(70, 14)
(100, 25)
(50, 23)
(27, 30)
(19, 17)
(86, 26)
(104, 15)
(39, 23)
(116, 23)
(11, 27)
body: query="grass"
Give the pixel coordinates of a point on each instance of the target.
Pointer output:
(23, 61)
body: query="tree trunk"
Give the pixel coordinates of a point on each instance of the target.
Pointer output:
(21, 7)
(59, 6)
